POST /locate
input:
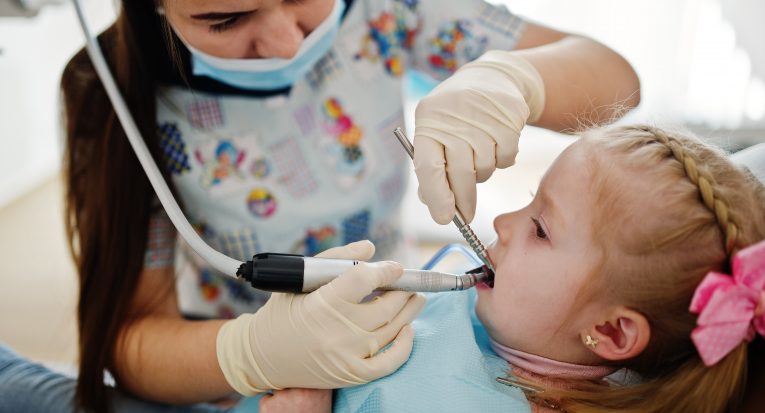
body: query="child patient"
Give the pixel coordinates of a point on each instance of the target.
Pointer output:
(633, 282)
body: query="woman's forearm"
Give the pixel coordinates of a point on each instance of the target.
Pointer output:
(585, 83)
(171, 360)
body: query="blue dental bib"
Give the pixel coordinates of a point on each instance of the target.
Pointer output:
(452, 368)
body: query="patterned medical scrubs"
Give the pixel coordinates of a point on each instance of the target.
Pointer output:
(314, 166)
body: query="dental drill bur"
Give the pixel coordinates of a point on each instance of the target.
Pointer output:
(458, 220)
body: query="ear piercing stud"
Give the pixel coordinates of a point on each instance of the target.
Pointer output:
(590, 342)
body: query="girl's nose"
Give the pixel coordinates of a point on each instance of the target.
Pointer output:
(502, 225)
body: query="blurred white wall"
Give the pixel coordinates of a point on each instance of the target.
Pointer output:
(33, 52)
(746, 17)
(700, 61)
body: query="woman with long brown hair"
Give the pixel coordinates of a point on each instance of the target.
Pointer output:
(272, 120)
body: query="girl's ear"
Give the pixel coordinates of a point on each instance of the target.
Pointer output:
(624, 335)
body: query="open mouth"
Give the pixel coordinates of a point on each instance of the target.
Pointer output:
(485, 276)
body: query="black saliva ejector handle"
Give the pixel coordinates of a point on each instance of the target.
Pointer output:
(292, 273)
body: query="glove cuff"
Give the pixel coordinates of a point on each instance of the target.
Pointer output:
(524, 75)
(236, 360)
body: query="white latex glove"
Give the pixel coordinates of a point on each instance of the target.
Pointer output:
(469, 125)
(325, 339)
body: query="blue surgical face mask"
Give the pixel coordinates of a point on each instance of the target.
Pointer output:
(270, 74)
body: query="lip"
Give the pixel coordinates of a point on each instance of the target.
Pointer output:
(482, 286)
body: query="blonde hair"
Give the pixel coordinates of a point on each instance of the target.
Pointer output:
(671, 209)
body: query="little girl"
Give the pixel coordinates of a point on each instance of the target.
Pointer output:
(633, 282)
(624, 265)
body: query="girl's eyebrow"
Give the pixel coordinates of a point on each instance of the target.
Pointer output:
(220, 15)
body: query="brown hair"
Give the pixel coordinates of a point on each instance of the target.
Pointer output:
(672, 209)
(108, 197)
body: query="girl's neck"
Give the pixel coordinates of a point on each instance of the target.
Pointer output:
(549, 367)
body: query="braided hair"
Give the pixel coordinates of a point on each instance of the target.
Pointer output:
(704, 180)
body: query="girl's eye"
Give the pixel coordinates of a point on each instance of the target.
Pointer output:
(540, 231)
(225, 24)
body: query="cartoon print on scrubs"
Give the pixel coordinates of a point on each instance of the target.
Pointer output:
(222, 294)
(305, 119)
(260, 168)
(501, 20)
(225, 163)
(356, 227)
(240, 244)
(391, 35)
(294, 152)
(454, 45)
(261, 203)
(316, 241)
(387, 239)
(220, 291)
(239, 290)
(173, 148)
(226, 312)
(344, 148)
(291, 168)
(204, 113)
(209, 285)
(160, 243)
(325, 69)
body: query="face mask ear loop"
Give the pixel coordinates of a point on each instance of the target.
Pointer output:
(220, 262)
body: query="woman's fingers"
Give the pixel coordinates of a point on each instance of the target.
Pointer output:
(359, 250)
(378, 312)
(430, 167)
(408, 313)
(358, 282)
(390, 359)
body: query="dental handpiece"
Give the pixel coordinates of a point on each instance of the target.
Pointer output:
(298, 274)
(459, 219)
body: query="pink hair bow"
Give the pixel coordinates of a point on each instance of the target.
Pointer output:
(730, 309)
